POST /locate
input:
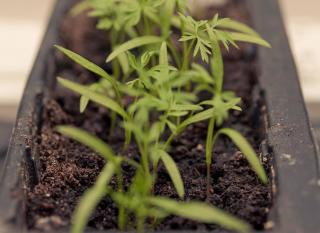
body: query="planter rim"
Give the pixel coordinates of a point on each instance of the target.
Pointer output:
(297, 176)
(289, 132)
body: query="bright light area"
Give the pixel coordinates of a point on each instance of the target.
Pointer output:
(303, 26)
(22, 24)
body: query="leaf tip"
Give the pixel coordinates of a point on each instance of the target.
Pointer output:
(60, 129)
(264, 178)
(108, 59)
(60, 79)
(59, 47)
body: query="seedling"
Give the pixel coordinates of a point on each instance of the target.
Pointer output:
(164, 89)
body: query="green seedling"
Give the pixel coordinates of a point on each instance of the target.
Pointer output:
(138, 200)
(163, 85)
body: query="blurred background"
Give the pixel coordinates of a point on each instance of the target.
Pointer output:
(22, 26)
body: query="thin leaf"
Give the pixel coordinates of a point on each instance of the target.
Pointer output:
(203, 72)
(187, 107)
(91, 199)
(237, 36)
(201, 212)
(89, 140)
(178, 114)
(86, 64)
(171, 126)
(217, 62)
(168, 11)
(247, 151)
(163, 56)
(94, 96)
(173, 172)
(163, 60)
(201, 116)
(237, 26)
(134, 43)
(84, 101)
(124, 63)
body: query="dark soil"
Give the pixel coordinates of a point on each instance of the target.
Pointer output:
(67, 168)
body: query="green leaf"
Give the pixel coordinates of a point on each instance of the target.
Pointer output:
(155, 131)
(171, 126)
(237, 36)
(187, 107)
(86, 64)
(91, 199)
(237, 26)
(163, 56)
(89, 140)
(200, 212)
(185, 97)
(94, 96)
(173, 172)
(203, 73)
(178, 114)
(247, 151)
(163, 61)
(124, 63)
(84, 101)
(166, 14)
(133, 43)
(217, 62)
(201, 116)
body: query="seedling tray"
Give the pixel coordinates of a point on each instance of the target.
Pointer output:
(296, 184)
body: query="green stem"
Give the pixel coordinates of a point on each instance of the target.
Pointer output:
(169, 140)
(184, 46)
(122, 218)
(174, 53)
(114, 63)
(128, 135)
(140, 224)
(209, 149)
(121, 214)
(186, 56)
(144, 158)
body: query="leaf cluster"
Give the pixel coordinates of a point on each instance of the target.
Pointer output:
(164, 89)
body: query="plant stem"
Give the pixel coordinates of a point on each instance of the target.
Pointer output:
(186, 56)
(174, 53)
(184, 45)
(144, 158)
(121, 214)
(209, 149)
(140, 224)
(169, 140)
(114, 63)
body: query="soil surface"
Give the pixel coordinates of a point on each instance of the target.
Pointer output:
(67, 168)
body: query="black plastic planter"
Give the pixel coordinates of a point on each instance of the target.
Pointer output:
(296, 206)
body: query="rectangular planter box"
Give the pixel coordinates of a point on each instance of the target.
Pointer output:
(296, 185)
